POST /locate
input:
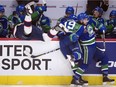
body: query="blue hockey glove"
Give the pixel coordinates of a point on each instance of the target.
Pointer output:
(113, 21)
(73, 37)
(41, 8)
(103, 28)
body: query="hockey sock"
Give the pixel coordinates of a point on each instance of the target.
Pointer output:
(78, 73)
(104, 69)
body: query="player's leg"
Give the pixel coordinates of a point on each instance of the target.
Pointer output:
(78, 72)
(88, 53)
(102, 56)
(79, 67)
(64, 47)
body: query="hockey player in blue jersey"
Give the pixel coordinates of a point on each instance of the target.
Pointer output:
(21, 12)
(97, 17)
(3, 23)
(68, 12)
(70, 47)
(13, 20)
(86, 37)
(97, 14)
(42, 21)
(98, 24)
(111, 24)
(45, 24)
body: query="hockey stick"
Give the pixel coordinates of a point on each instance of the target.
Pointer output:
(70, 60)
(76, 9)
(104, 44)
(103, 50)
(34, 56)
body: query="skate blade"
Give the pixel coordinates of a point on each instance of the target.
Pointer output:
(72, 85)
(112, 82)
(105, 83)
(85, 84)
(79, 86)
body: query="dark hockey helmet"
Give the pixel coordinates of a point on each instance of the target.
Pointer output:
(113, 13)
(2, 9)
(40, 8)
(20, 8)
(82, 16)
(69, 10)
(100, 10)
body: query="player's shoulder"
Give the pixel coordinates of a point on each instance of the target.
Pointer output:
(61, 18)
(79, 26)
(4, 17)
(10, 17)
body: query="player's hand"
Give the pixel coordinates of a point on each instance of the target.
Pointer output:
(41, 9)
(103, 28)
(73, 37)
(112, 22)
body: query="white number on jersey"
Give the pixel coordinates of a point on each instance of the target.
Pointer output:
(70, 25)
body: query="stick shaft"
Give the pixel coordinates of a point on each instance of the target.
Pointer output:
(34, 56)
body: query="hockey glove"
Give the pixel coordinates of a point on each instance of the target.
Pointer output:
(73, 37)
(41, 9)
(103, 28)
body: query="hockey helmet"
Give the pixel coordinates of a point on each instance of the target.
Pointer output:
(69, 10)
(82, 16)
(20, 8)
(2, 9)
(113, 13)
(100, 10)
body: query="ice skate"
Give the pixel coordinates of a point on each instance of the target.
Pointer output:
(106, 80)
(76, 83)
(84, 82)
